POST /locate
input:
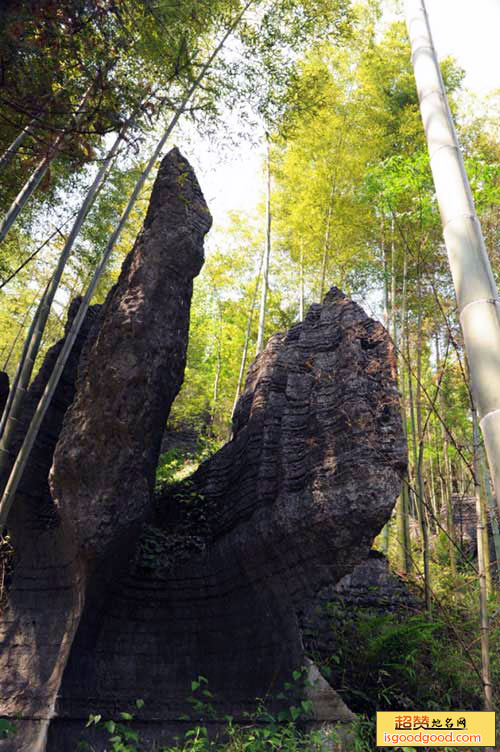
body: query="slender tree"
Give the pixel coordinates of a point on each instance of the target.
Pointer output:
(248, 331)
(475, 288)
(267, 254)
(403, 507)
(485, 482)
(301, 283)
(483, 584)
(450, 527)
(12, 149)
(14, 405)
(39, 172)
(23, 455)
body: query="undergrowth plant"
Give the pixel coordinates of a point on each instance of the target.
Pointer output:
(395, 661)
(178, 463)
(259, 731)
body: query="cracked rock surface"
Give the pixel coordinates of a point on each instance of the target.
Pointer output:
(235, 555)
(118, 595)
(73, 542)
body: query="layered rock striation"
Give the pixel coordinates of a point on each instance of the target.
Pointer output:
(119, 595)
(237, 554)
(72, 543)
(44, 591)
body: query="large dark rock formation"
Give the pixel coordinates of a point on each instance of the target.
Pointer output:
(102, 483)
(239, 552)
(42, 591)
(69, 551)
(370, 587)
(228, 562)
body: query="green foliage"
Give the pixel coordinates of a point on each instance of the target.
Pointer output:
(390, 661)
(261, 730)
(7, 728)
(375, 666)
(169, 465)
(121, 736)
(176, 464)
(219, 318)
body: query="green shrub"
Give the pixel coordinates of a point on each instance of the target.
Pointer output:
(261, 731)
(178, 463)
(386, 662)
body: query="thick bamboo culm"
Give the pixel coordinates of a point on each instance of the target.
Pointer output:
(475, 288)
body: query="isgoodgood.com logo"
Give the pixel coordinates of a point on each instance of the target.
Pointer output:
(459, 728)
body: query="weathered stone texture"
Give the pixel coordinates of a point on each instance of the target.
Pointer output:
(371, 586)
(129, 373)
(43, 595)
(229, 561)
(465, 526)
(102, 483)
(238, 552)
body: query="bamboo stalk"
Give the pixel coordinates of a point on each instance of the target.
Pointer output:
(23, 456)
(450, 527)
(246, 343)
(267, 256)
(423, 526)
(56, 231)
(326, 242)
(13, 409)
(301, 283)
(404, 503)
(483, 592)
(11, 150)
(17, 389)
(38, 173)
(490, 501)
(475, 288)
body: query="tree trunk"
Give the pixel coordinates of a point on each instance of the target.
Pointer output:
(417, 452)
(11, 150)
(432, 492)
(326, 242)
(216, 381)
(267, 255)
(18, 336)
(450, 527)
(490, 501)
(385, 529)
(301, 283)
(475, 288)
(57, 231)
(37, 176)
(481, 561)
(18, 388)
(423, 526)
(413, 428)
(22, 458)
(35, 334)
(481, 503)
(246, 343)
(404, 501)
(386, 280)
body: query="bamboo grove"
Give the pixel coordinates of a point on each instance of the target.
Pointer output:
(92, 92)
